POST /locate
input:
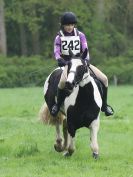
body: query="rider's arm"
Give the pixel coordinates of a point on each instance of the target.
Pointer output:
(84, 44)
(57, 47)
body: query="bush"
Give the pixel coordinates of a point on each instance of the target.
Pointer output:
(24, 71)
(32, 71)
(120, 67)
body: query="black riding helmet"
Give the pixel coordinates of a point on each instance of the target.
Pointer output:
(68, 18)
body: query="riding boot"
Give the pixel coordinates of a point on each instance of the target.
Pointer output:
(60, 99)
(108, 110)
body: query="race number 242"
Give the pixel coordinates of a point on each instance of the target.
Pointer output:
(73, 45)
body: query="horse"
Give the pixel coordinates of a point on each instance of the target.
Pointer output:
(81, 108)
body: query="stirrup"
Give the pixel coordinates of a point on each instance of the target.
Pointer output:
(109, 111)
(54, 110)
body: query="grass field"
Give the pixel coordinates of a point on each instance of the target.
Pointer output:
(26, 146)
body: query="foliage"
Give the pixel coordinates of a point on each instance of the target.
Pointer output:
(120, 67)
(32, 71)
(32, 25)
(107, 24)
(23, 71)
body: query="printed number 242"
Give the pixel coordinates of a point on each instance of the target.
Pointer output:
(73, 45)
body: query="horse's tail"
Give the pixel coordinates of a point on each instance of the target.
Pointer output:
(46, 118)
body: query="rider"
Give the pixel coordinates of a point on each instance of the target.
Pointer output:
(70, 38)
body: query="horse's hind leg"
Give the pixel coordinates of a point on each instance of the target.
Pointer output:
(58, 145)
(44, 114)
(65, 134)
(71, 146)
(94, 127)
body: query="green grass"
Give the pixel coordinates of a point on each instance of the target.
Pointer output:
(26, 146)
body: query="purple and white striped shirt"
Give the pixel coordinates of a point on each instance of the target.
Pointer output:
(57, 43)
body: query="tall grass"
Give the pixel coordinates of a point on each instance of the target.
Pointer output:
(26, 146)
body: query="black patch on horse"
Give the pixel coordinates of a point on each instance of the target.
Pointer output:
(52, 88)
(84, 111)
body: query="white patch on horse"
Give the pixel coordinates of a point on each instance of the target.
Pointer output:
(97, 95)
(45, 88)
(46, 85)
(75, 64)
(71, 99)
(70, 77)
(94, 128)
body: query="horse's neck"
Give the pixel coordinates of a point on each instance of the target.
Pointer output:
(86, 79)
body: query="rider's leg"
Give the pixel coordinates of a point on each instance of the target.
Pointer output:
(60, 93)
(103, 78)
(105, 107)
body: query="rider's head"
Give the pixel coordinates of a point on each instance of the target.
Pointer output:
(68, 21)
(68, 18)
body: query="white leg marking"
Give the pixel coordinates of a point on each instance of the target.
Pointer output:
(94, 127)
(71, 147)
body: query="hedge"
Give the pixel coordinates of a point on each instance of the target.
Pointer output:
(32, 71)
(24, 71)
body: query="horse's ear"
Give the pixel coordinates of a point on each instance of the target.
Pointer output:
(84, 54)
(71, 53)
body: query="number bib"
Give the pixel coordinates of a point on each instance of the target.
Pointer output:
(70, 42)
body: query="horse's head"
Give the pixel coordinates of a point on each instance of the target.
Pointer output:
(76, 70)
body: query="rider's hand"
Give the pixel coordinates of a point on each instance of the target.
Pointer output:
(61, 62)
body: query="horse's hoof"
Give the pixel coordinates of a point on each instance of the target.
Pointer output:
(67, 154)
(95, 156)
(58, 148)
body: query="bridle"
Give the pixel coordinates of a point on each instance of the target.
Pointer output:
(77, 82)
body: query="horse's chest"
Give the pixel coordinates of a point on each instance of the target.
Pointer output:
(81, 103)
(71, 99)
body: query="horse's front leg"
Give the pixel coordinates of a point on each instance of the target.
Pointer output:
(94, 127)
(58, 145)
(71, 146)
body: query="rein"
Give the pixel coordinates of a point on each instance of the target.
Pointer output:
(75, 84)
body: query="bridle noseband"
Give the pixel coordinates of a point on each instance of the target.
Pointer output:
(77, 82)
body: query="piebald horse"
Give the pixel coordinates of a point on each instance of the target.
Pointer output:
(81, 108)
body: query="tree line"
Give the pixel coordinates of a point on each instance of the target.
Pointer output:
(28, 28)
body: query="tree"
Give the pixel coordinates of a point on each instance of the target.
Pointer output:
(3, 48)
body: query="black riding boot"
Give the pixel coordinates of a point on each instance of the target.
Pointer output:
(60, 98)
(105, 107)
